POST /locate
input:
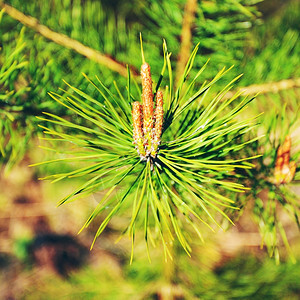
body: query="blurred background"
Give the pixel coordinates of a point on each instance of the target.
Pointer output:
(41, 255)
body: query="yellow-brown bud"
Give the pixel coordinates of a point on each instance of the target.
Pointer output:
(291, 172)
(147, 98)
(159, 118)
(284, 169)
(147, 94)
(137, 119)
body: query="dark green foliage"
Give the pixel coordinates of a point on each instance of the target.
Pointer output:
(274, 50)
(13, 103)
(246, 277)
(220, 27)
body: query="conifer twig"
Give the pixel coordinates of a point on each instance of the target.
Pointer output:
(265, 88)
(179, 182)
(66, 41)
(186, 36)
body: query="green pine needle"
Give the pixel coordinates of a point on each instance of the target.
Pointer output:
(184, 184)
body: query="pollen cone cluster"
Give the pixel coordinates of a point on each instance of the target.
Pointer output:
(147, 124)
(284, 169)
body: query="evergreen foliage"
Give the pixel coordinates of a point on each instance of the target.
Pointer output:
(96, 116)
(12, 106)
(273, 51)
(178, 185)
(273, 194)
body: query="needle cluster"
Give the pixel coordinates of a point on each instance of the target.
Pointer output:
(194, 164)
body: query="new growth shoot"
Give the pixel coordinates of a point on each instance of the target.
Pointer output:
(147, 124)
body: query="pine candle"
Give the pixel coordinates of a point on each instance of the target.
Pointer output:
(147, 125)
(138, 136)
(284, 169)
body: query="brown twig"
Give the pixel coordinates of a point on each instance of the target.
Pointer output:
(265, 88)
(66, 41)
(186, 36)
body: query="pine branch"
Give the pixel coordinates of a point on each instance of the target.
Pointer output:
(265, 88)
(179, 185)
(67, 42)
(186, 37)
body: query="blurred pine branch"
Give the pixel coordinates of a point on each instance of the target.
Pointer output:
(66, 41)
(186, 36)
(268, 88)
